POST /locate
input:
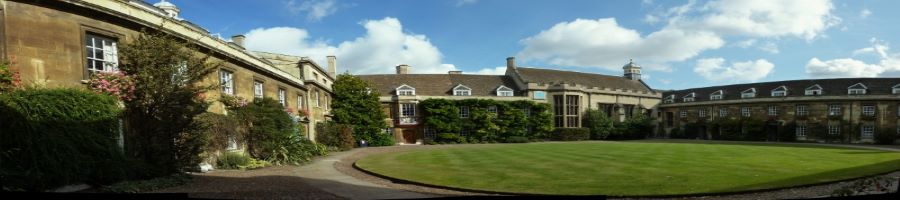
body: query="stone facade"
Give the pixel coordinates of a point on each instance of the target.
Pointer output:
(47, 40)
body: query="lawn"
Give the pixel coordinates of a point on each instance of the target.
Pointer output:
(629, 168)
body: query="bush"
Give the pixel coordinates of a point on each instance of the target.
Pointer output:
(450, 138)
(268, 126)
(382, 139)
(220, 129)
(336, 135)
(601, 126)
(572, 134)
(54, 137)
(233, 160)
(517, 139)
(295, 150)
(885, 136)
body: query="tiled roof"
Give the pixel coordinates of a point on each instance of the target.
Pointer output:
(534, 75)
(441, 84)
(830, 87)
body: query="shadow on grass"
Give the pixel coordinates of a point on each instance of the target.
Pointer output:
(823, 177)
(753, 143)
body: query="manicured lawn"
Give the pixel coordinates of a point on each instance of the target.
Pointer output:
(629, 168)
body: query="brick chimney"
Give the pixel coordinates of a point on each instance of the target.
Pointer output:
(238, 40)
(332, 66)
(402, 69)
(511, 63)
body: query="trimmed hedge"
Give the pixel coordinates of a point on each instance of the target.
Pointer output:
(55, 137)
(572, 134)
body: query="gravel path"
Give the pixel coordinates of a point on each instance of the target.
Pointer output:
(346, 166)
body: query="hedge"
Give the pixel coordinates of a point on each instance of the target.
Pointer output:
(55, 137)
(572, 134)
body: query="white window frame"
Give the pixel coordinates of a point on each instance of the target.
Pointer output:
(867, 132)
(406, 90)
(232, 143)
(772, 110)
(318, 99)
(802, 110)
(540, 95)
(282, 97)
(895, 89)
(226, 80)
(868, 110)
(745, 111)
(717, 95)
(258, 89)
(669, 99)
(780, 91)
(504, 91)
(104, 51)
(463, 112)
(299, 102)
(856, 91)
(723, 112)
(689, 97)
(683, 113)
(751, 94)
(492, 109)
(462, 90)
(701, 112)
(834, 129)
(834, 109)
(408, 113)
(801, 130)
(813, 90)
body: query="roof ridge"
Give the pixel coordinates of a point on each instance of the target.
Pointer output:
(588, 73)
(788, 81)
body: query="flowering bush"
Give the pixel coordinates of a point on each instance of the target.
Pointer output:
(234, 101)
(9, 79)
(289, 111)
(115, 84)
(304, 112)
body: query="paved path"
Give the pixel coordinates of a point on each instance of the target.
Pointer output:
(322, 174)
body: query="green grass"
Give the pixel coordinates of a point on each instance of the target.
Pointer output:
(630, 168)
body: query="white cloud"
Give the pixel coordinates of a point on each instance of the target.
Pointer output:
(315, 9)
(865, 13)
(806, 19)
(603, 43)
(713, 69)
(652, 19)
(746, 43)
(491, 71)
(460, 3)
(770, 47)
(888, 64)
(843, 67)
(384, 46)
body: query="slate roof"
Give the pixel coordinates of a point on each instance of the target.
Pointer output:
(441, 84)
(534, 75)
(795, 88)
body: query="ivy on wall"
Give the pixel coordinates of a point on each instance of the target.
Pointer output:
(512, 118)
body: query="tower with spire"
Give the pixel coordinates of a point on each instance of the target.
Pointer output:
(632, 71)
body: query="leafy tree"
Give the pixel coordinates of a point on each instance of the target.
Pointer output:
(168, 78)
(356, 103)
(601, 126)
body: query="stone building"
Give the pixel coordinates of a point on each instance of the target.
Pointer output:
(845, 110)
(60, 43)
(569, 93)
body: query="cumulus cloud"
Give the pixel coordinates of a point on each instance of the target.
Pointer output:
(865, 13)
(603, 43)
(690, 30)
(888, 64)
(714, 69)
(315, 9)
(384, 46)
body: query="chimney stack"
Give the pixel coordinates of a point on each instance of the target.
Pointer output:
(402, 69)
(238, 40)
(511, 63)
(454, 72)
(332, 66)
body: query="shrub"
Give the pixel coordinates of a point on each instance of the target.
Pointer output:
(516, 139)
(268, 127)
(449, 138)
(54, 137)
(599, 124)
(233, 160)
(336, 135)
(354, 103)
(220, 129)
(295, 150)
(885, 136)
(9, 79)
(572, 134)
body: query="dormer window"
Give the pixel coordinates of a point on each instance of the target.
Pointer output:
(504, 91)
(716, 95)
(895, 89)
(689, 97)
(858, 88)
(462, 90)
(779, 91)
(405, 90)
(669, 99)
(749, 93)
(814, 90)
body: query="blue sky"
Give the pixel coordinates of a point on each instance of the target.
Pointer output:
(680, 44)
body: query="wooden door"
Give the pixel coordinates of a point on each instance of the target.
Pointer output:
(409, 136)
